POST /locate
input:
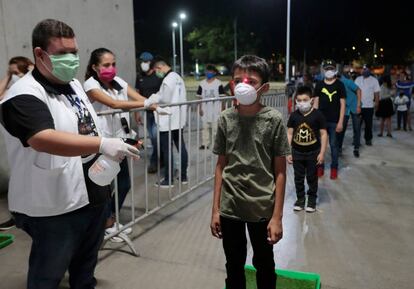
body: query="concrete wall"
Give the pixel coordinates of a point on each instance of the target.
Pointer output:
(97, 23)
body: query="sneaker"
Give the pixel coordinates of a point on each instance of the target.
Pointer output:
(7, 225)
(380, 134)
(299, 205)
(114, 239)
(113, 229)
(368, 143)
(356, 153)
(202, 147)
(389, 135)
(152, 169)
(164, 184)
(311, 207)
(184, 180)
(320, 171)
(334, 174)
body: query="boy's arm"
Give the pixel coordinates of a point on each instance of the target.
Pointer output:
(359, 94)
(324, 144)
(339, 126)
(275, 227)
(215, 214)
(290, 135)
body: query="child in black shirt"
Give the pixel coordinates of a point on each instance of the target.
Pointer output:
(308, 137)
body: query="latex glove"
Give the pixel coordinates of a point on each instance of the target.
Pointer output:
(153, 99)
(116, 149)
(163, 110)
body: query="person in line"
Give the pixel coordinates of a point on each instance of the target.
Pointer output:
(402, 107)
(250, 176)
(385, 106)
(52, 139)
(370, 90)
(352, 109)
(209, 88)
(147, 83)
(330, 100)
(107, 91)
(308, 137)
(172, 91)
(405, 85)
(18, 67)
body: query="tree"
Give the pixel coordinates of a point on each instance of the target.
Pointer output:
(214, 42)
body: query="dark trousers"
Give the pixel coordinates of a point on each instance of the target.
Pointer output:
(124, 185)
(356, 122)
(367, 115)
(333, 144)
(152, 134)
(402, 115)
(65, 242)
(167, 155)
(304, 165)
(235, 249)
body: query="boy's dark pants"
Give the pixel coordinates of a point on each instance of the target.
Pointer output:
(304, 164)
(235, 249)
(402, 115)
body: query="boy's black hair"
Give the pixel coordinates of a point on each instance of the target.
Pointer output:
(253, 63)
(159, 59)
(304, 90)
(211, 67)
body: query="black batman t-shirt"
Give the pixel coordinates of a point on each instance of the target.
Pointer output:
(306, 135)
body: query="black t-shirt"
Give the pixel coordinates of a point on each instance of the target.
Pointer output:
(25, 115)
(306, 134)
(329, 99)
(148, 84)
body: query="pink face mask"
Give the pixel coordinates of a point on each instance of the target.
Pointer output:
(107, 74)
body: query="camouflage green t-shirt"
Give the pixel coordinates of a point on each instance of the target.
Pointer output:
(250, 144)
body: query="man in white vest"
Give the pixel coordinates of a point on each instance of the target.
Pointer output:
(52, 140)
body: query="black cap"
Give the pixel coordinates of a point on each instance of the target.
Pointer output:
(329, 63)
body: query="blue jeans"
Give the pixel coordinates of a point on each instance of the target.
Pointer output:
(165, 153)
(333, 144)
(152, 134)
(356, 123)
(124, 185)
(65, 242)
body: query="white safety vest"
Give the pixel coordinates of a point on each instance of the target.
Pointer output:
(42, 184)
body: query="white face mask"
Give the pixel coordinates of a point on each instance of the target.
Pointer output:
(245, 93)
(330, 74)
(145, 66)
(13, 79)
(304, 106)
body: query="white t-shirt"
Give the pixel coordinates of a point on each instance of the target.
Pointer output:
(368, 86)
(210, 90)
(401, 103)
(109, 125)
(172, 91)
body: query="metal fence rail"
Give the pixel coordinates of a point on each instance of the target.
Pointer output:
(145, 198)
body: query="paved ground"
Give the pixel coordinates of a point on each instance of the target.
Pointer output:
(361, 237)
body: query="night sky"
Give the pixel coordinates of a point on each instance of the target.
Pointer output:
(321, 27)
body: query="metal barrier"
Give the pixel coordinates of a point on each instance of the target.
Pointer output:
(147, 199)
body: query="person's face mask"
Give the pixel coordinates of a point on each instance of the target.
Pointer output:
(210, 75)
(145, 66)
(107, 74)
(245, 93)
(366, 73)
(329, 74)
(160, 74)
(13, 79)
(304, 106)
(64, 66)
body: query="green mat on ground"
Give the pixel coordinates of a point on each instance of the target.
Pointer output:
(5, 239)
(286, 279)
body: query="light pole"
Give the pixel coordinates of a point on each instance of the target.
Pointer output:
(287, 43)
(174, 25)
(182, 17)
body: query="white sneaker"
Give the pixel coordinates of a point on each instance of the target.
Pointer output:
(114, 239)
(113, 229)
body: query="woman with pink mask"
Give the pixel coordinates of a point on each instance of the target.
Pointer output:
(108, 91)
